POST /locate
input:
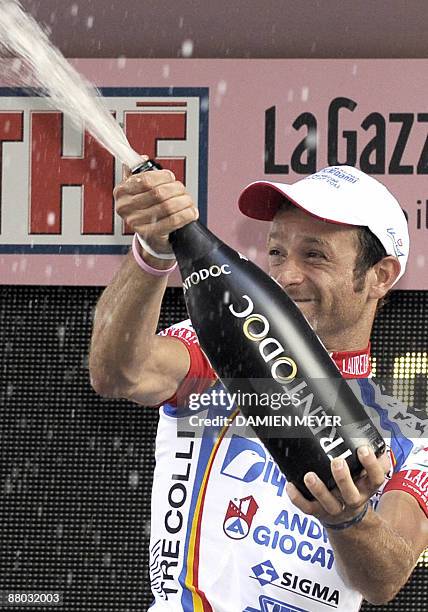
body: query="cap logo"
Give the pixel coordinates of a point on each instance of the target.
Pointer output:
(396, 242)
(335, 176)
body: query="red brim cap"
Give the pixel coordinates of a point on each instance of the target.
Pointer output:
(261, 200)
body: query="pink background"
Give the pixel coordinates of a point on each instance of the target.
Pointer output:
(240, 91)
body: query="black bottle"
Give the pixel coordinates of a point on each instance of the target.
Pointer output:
(259, 342)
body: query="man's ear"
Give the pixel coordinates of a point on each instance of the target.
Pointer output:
(382, 276)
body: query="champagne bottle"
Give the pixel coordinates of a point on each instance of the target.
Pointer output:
(259, 343)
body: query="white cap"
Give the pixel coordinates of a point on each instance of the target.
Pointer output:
(338, 194)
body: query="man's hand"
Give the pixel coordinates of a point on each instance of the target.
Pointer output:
(154, 204)
(347, 501)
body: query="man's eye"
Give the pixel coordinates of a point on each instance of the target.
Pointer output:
(274, 252)
(315, 255)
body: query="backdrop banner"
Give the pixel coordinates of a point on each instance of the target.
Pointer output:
(218, 124)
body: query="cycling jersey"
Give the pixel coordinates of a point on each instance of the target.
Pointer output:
(224, 535)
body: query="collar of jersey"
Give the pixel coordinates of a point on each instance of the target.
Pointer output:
(353, 364)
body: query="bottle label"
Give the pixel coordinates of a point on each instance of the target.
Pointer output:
(284, 370)
(198, 276)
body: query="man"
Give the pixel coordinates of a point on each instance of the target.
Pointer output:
(228, 533)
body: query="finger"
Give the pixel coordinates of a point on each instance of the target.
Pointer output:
(328, 502)
(145, 181)
(142, 182)
(161, 199)
(375, 474)
(150, 215)
(296, 498)
(347, 488)
(161, 194)
(166, 225)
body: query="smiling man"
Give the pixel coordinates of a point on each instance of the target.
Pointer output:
(314, 261)
(228, 533)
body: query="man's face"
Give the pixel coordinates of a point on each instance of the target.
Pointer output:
(314, 262)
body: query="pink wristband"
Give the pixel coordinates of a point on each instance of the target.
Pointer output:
(144, 265)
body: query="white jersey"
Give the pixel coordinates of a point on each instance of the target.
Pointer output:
(226, 538)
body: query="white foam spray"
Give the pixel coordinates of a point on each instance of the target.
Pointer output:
(38, 63)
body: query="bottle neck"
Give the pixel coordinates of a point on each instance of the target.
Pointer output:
(193, 241)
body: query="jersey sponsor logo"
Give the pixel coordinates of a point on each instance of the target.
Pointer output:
(239, 517)
(165, 554)
(418, 478)
(269, 604)
(413, 480)
(311, 589)
(357, 365)
(247, 461)
(244, 459)
(297, 535)
(266, 574)
(186, 334)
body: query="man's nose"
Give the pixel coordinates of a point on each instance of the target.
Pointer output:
(288, 274)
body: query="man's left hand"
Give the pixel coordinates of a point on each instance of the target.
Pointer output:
(347, 501)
